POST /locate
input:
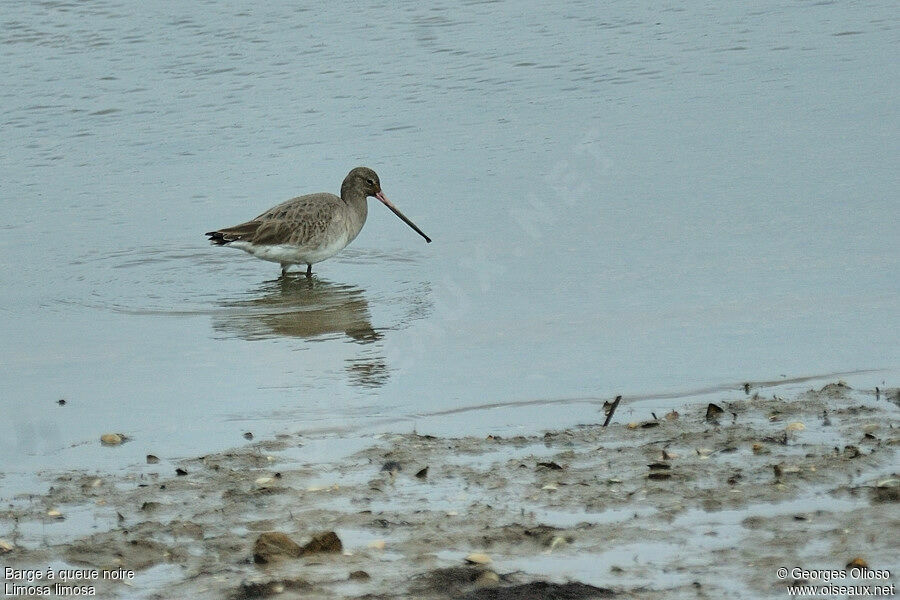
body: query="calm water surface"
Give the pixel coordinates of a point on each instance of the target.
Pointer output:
(632, 198)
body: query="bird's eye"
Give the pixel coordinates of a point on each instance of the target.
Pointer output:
(371, 181)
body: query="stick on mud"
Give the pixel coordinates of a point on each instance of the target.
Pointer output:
(612, 409)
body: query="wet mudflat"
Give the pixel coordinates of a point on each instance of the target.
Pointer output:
(708, 500)
(624, 197)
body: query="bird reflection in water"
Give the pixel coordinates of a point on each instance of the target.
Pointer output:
(314, 310)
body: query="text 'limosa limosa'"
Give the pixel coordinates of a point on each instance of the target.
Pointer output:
(311, 228)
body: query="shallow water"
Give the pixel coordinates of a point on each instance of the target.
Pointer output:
(634, 199)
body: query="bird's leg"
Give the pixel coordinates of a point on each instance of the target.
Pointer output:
(284, 269)
(308, 271)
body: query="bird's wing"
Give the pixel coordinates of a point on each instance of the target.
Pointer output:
(300, 221)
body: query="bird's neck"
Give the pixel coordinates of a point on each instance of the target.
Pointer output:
(351, 192)
(359, 206)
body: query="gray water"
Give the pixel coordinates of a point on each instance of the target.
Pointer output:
(632, 198)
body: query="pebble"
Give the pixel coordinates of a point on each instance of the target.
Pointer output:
(274, 545)
(327, 541)
(111, 439)
(487, 579)
(759, 449)
(392, 466)
(713, 411)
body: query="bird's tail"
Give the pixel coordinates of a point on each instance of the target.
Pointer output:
(226, 235)
(217, 238)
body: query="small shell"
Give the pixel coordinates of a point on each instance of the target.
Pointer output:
(477, 558)
(557, 541)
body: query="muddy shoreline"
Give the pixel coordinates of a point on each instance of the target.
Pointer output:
(691, 504)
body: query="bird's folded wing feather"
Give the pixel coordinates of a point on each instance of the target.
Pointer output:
(301, 221)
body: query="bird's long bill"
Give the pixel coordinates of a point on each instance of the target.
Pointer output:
(396, 211)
